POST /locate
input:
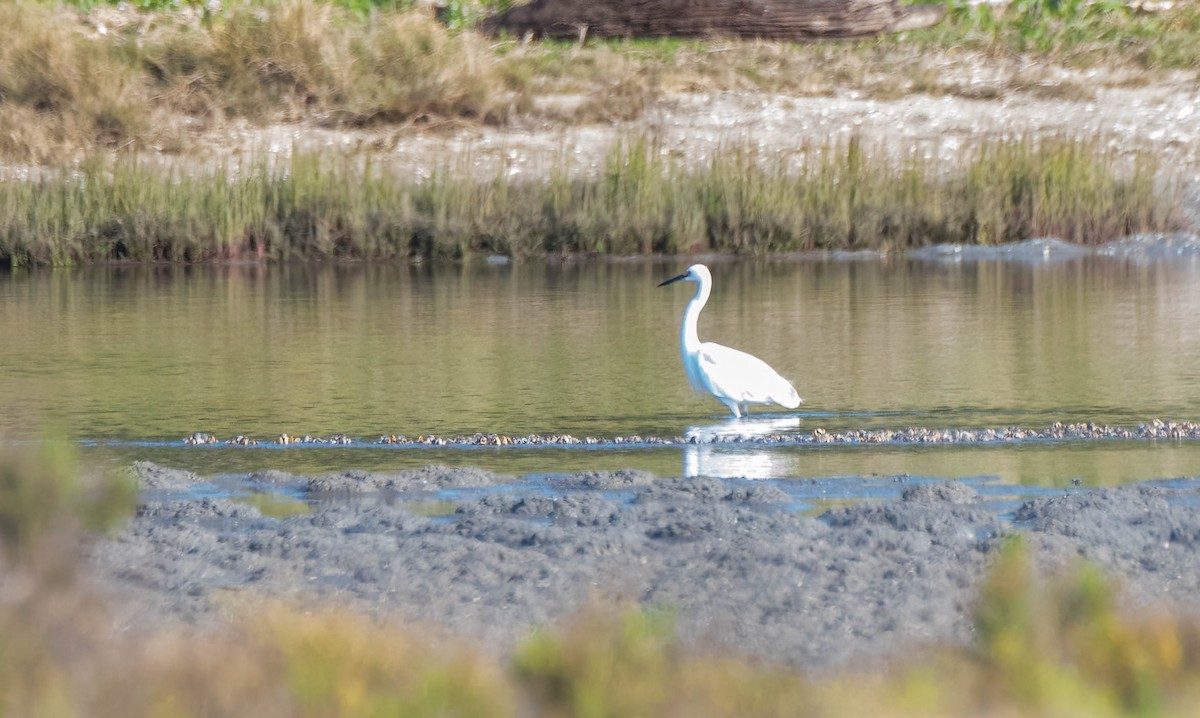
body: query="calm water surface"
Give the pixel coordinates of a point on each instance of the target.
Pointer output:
(132, 355)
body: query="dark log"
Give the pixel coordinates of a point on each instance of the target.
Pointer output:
(795, 20)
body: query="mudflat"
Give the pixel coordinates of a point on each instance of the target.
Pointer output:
(739, 564)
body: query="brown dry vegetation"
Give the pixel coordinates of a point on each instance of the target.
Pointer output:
(61, 91)
(73, 82)
(155, 80)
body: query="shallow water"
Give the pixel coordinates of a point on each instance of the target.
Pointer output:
(144, 356)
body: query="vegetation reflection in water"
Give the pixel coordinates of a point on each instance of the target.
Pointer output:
(590, 349)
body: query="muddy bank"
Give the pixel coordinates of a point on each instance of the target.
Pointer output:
(486, 557)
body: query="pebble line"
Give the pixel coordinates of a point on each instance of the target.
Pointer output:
(1085, 431)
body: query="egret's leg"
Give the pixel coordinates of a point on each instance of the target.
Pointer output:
(745, 408)
(733, 406)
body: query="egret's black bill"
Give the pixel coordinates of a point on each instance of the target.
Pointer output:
(673, 279)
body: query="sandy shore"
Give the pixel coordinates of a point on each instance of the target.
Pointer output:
(742, 568)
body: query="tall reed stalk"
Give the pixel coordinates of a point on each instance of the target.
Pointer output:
(837, 196)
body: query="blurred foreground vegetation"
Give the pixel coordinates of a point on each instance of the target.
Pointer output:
(1057, 647)
(641, 201)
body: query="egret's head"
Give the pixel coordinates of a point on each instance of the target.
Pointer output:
(697, 273)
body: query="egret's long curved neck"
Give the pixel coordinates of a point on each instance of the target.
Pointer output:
(689, 337)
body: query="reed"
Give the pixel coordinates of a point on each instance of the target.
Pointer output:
(640, 202)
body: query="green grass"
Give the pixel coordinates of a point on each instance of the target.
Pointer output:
(640, 202)
(1073, 32)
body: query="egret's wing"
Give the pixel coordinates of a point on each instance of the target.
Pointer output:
(694, 375)
(736, 375)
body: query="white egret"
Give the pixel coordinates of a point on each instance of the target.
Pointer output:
(734, 377)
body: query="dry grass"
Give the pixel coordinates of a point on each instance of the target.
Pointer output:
(69, 90)
(63, 92)
(151, 79)
(303, 59)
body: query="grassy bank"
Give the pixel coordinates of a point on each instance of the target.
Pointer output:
(93, 87)
(1074, 33)
(75, 82)
(1052, 647)
(641, 201)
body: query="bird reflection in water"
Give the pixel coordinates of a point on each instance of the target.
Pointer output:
(727, 450)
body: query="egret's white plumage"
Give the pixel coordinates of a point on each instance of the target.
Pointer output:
(734, 377)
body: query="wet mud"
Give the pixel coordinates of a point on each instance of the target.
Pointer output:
(743, 565)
